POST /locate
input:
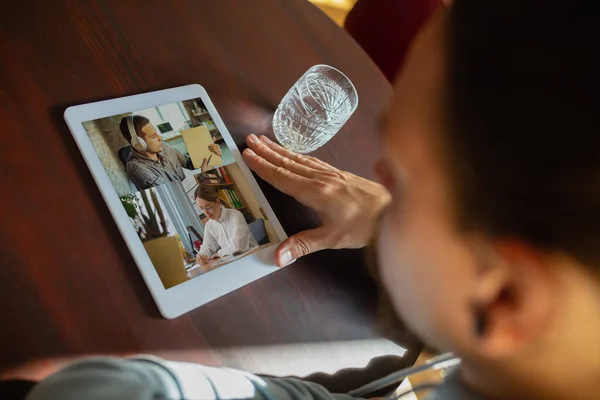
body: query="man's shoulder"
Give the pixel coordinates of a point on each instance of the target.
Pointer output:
(171, 153)
(135, 160)
(134, 165)
(140, 173)
(169, 150)
(453, 389)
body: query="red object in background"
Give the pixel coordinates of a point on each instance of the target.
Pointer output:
(385, 29)
(225, 175)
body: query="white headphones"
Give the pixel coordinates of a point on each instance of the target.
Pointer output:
(136, 142)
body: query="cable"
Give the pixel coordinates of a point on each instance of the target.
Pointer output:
(398, 376)
(424, 386)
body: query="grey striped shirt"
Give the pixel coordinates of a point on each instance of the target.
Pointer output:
(146, 173)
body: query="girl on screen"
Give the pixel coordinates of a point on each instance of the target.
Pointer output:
(225, 232)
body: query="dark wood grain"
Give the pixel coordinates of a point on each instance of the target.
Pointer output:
(68, 284)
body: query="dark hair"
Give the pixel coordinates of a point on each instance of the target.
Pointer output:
(138, 123)
(206, 193)
(209, 194)
(523, 143)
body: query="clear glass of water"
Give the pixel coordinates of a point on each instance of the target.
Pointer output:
(314, 109)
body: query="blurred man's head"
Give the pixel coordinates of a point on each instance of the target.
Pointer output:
(145, 131)
(491, 245)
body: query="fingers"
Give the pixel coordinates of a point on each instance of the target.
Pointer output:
(282, 179)
(323, 164)
(301, 244)
(204, 167)
(215, 149)
(266, 147)
(262, 150)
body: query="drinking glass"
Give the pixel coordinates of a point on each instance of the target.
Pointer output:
(314, 109)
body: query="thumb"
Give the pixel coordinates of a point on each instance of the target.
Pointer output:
(301, 244)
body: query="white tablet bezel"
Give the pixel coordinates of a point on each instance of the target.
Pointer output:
(197, 291)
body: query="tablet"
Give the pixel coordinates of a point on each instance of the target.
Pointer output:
(189, 209)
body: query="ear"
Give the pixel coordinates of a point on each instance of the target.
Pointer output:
(514, 297)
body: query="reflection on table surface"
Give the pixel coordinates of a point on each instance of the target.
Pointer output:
(197, 269)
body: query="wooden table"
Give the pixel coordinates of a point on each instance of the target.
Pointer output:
(68, 284)
(197, 269)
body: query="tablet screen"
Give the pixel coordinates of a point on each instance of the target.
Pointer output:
(185, 195)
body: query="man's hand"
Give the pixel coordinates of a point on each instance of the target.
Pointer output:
(205, 167)
(202, 259)
(215, 149)
(215, 256)
(347, 204)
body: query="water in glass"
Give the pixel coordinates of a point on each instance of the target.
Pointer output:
(314, 109)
